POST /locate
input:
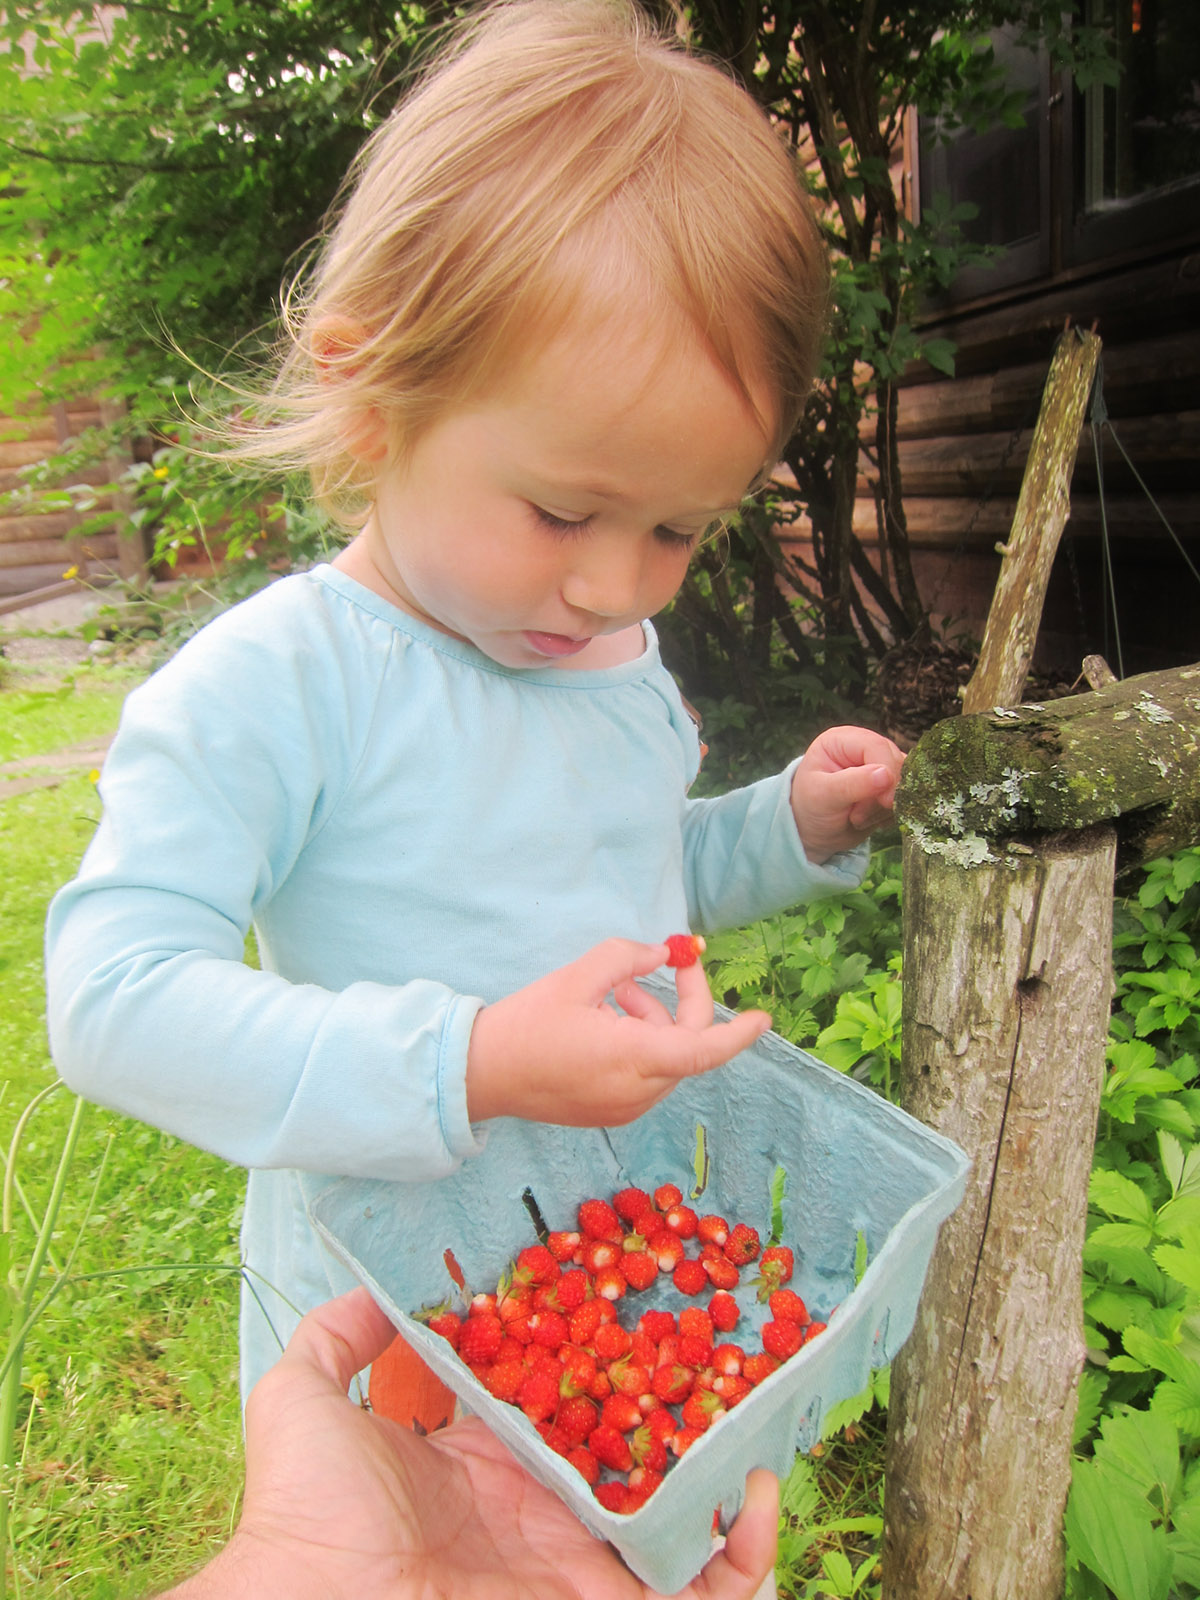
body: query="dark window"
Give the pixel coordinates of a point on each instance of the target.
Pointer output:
(1092, 174)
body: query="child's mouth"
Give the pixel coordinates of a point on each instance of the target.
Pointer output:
(555, 644)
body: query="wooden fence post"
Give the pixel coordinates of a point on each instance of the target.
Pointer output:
(1012, 823)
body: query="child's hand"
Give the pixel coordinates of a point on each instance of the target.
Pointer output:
(556, 1052)
(843, 789)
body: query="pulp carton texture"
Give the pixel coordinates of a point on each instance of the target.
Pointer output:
(854, 1165)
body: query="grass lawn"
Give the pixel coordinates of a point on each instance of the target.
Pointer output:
(128, 1430)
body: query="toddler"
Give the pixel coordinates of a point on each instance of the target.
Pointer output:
(570, 310)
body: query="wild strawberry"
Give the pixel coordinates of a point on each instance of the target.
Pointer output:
(758, 1366)
(629, 1204)
(598, 1220)
(689, 1277)
(577, 1417)
(666, 1196)
(682, 1221)
(672, 1384)
(622, 1412)
(585, 1321)
(648, 1224)
(628, 1378)
(683, 1439)
(782, 1339)
(732, 1388)
(712, 1229)
(721, 1272)
(696, 1321)
(553, 1436)
(610, 1448)
(635, 1499)
(479, 1339)
(643, 1481)
(643, 1351)
(685, 949)
(520, 1330)
(596, 1254)
(662, 1423)
(775, 1268)
(584, 1463)
(538, 1396)
(516, 1302)
(611, 1341)
(600, 1388)
(613, 1495)
(538, 1359)
(550, 1329)
(668, 1350)
(787, 1306)
(694, 1351)
(536, 1264)
(729, 1359)
(813, 1329)
(723, 1309)
(640, 1268)
(667, 1250)
(701, 1409)
(609, 1283)
(743, 1245)
(504, 1380)
(656, 1325)
(562, 1246)
(571, 1290)
(448, 1325)
(481, 1302)
(579, 1368)
(648, 1448)
(511, 1350)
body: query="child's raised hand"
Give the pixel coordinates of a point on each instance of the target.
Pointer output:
(556, 1052)
(843, 789)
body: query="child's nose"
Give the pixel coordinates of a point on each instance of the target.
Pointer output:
(604, 580)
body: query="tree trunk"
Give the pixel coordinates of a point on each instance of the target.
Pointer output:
(1005, 1018)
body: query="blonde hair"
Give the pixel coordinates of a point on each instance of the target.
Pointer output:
(556, 152)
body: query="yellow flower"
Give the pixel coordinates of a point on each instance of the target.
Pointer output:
(71, 572)
(94, 775)
(161, 472)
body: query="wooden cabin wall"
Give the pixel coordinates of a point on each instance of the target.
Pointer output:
(37, 547)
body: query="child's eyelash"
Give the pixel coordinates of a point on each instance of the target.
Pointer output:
(568, 527)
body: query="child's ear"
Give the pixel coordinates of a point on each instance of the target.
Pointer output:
(335, 340)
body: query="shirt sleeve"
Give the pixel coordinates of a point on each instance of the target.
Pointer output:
(743, 858)
(209, 793)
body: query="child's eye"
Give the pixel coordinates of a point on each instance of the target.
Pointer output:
(676, 541)
(564, 525)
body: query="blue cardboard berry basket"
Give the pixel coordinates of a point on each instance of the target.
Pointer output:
(855, 1165)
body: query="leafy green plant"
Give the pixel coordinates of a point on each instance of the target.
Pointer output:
(1133, 1517)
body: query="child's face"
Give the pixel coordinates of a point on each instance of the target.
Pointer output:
(545, 519)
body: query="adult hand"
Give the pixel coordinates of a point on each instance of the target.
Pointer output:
(843, 789)
(344, 1505)
(556, 1052)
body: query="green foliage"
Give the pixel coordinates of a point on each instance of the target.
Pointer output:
(1133, 1519)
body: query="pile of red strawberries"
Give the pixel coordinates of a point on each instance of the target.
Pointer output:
(624, 1393)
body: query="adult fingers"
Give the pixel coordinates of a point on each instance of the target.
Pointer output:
(736, 1572)
(340, 1337)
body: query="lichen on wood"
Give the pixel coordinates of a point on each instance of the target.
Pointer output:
(1129, 754)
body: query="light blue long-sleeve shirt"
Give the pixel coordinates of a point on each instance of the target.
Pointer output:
(413, 831)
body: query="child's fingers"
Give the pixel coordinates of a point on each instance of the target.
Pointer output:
(687, 1052)
(695, 1007)
(606, 967)
(635, 1002)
